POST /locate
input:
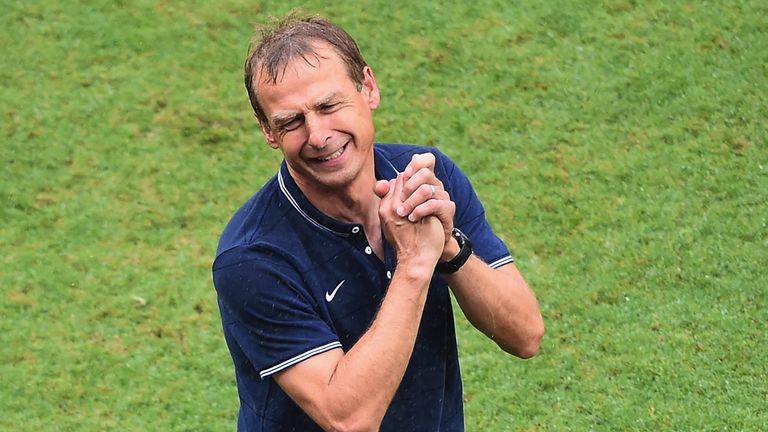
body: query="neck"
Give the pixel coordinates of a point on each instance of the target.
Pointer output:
(354, 203)
(357, 203)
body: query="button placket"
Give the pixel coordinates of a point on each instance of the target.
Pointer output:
(360, 240)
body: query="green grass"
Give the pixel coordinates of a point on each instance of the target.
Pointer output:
(620, 148)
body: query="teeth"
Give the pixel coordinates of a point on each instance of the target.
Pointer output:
(335, 154)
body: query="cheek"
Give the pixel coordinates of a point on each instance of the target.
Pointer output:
(292, 142)
(354, 122)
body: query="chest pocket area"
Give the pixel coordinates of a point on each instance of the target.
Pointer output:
(351, 301)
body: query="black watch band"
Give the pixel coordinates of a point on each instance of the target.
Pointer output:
(456, 262)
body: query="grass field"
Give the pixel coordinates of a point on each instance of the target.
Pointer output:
(620, 148)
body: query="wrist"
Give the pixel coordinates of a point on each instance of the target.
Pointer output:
(416, 262)
(465, 251)
(415, 271)
(450, 250)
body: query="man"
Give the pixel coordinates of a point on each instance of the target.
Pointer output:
(333, 279)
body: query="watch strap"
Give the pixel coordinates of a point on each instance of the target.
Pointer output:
(465, 250)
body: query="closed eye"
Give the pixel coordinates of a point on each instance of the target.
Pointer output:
(329, 107)
(289, 124)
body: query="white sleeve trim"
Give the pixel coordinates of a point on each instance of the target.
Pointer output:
(500, 262)
(299, 358)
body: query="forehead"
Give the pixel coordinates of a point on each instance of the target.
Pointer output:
(320, 63)
(304, 82)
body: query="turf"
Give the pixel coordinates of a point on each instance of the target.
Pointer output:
(620, 148)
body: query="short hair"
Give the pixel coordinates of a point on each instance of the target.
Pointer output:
(291, 37)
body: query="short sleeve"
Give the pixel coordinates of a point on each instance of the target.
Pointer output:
(470, 214)
(267, 311)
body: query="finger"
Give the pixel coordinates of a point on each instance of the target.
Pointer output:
(422, 194)
(398, 189)
(432, 207)
(391, 189)
(419, 161)
(387, 205)
(420, 177)
(442, 209)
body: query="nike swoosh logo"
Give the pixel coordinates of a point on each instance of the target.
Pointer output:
(330, 295)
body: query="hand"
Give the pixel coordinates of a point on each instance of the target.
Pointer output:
(420, 182)
(421, 242)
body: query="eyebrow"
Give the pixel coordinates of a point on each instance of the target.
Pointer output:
(333, 97)
(281, 119)
(285, 118)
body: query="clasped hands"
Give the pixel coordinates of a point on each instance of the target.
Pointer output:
(417, 197)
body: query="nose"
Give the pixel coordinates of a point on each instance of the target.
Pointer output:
(318, 132)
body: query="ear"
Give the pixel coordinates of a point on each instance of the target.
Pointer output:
(370, 88)
(268, 135)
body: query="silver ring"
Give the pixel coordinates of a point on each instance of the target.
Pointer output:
(434, 190)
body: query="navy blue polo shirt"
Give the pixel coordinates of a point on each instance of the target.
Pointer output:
(293, 282)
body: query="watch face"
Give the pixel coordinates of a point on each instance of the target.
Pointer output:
(459, 236)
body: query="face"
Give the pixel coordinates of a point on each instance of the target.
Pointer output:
(320, 121)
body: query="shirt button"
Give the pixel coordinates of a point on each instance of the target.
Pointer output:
(389, 274)
(368, 250)
(355, 230)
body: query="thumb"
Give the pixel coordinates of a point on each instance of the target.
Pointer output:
(381, 188)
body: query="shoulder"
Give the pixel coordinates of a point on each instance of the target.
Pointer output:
(256, 221)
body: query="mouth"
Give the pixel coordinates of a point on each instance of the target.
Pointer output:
(335, 155)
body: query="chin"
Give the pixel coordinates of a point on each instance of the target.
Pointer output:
(337, 180)
(335, 183)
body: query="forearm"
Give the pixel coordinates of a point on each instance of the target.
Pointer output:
(353, 390)
(500, 304)
(366, 379)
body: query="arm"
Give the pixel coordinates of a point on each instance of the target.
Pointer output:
(496, 301)
(352, 390)
(499, 303)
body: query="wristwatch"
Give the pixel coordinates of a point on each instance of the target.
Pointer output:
(453, 265)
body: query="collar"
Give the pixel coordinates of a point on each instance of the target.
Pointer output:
(383, 170)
